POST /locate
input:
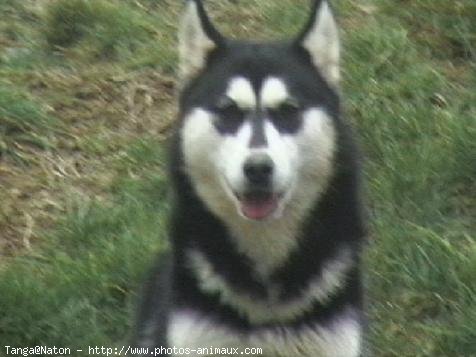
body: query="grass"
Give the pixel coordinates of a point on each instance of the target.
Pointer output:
(84, 210)
(86, 272)
(23, 120)
(108, 30)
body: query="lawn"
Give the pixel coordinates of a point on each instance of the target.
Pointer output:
(86, 104)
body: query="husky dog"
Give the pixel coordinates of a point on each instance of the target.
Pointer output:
(267, 225)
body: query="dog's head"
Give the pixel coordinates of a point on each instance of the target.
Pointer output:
(257, 128)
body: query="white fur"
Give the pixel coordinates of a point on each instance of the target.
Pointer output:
(231, 156)
(205, 161)
(303, 163)
(188, 329)
(322, 42)
(194, 44)
(319, 289)
(273, 92)
(201, 144)
(284, 153)
(241, 92)
(340, 338)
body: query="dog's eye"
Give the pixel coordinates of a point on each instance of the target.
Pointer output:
(289, 106)
(286, 110)
(228, 109)
(286, 116)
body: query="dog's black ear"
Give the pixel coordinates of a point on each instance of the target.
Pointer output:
(197, 37)
(320, 37)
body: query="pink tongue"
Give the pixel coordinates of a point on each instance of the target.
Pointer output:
(259, 209)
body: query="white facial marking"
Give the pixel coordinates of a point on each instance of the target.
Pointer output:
(340, 338)
(232, 154)
(200, 145)
(319, 289)
(273, 92)
(317, 140)
(303, 165)
(241, 92)
(283, 151)
(198, 139)
(322, 42)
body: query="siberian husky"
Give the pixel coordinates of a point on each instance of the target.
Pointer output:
(267, 225)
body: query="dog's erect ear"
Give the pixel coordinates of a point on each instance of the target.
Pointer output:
(320, 38)
(197, 37)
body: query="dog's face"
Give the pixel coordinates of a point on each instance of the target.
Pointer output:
(258, 120)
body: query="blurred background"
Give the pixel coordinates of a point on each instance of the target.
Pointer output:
(87, 101)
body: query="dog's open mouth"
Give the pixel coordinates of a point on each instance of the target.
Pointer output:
(258, 205)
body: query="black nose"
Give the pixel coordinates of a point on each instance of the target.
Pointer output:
(258, 169)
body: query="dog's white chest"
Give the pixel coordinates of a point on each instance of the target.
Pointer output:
(190, 330)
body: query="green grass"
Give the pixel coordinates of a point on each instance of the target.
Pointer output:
(409, 83)
(108, 30)
(109, 27)
(23, 120)
(77, 288)
(421, 182)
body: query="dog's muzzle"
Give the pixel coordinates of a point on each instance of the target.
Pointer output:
(258, 200)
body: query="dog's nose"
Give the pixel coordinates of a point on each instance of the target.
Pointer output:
(258, 169)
